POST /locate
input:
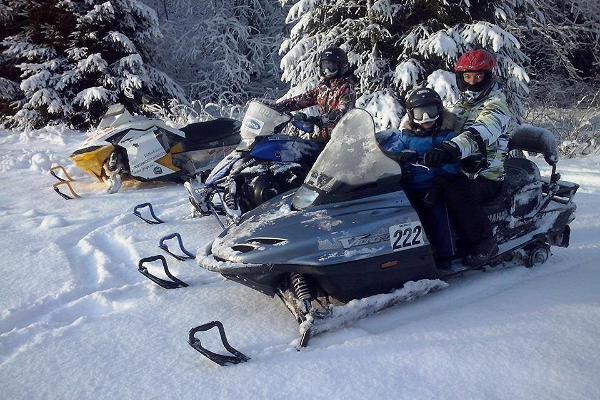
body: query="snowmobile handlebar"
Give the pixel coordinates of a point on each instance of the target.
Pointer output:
(408, 157)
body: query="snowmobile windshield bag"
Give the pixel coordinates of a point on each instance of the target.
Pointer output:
(260, 120)
(351, 159)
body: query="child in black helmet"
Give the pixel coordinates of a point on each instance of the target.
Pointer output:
(334, 95)
(425, 125)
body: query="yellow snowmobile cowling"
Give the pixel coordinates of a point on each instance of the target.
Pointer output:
(91, 159)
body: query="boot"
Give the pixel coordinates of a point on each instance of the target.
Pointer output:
(481, 252)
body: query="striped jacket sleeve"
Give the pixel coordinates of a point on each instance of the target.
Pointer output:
(483, 124)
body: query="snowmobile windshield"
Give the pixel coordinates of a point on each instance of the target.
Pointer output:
(351, 165)
(260, 120)
(115, 116)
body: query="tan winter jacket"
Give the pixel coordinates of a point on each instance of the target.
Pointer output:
(489, 123)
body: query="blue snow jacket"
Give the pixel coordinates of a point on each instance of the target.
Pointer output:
(419, 178)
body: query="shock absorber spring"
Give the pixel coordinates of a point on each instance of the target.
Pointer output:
(230, 195)
(301, 287)
(302, 290)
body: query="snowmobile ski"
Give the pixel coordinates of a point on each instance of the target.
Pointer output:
(67, 180)
(174, 283)
(236, 356)
(137, 213)
(163, 246)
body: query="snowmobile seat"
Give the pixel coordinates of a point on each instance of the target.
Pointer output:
(208, 134)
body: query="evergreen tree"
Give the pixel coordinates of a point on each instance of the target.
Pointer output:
(80, 56)
(222, 49)
(396, 45)
(10, 92)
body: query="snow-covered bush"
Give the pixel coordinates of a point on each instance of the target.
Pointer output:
(77, 57)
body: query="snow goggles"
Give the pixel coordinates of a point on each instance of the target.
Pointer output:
(426, 113)
(329, 68)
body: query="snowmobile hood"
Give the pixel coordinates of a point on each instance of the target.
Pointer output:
(91, 159)
(275, 234)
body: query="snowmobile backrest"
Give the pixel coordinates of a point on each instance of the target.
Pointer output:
(535, 139)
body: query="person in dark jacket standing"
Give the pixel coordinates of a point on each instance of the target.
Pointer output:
(426, 125)
(334, 95)
(484, 122)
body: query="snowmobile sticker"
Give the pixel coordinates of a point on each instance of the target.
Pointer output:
(407, 236)
(253, 125)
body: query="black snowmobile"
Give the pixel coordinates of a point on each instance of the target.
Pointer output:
(350, 232)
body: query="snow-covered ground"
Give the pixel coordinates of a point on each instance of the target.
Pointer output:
(77, 320)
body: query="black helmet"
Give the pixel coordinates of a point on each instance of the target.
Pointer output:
(333, 63)
(424, 105)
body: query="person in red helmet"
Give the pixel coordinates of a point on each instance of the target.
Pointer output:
(484, 122)
(334, 95)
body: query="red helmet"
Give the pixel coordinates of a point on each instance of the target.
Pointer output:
(475, 60)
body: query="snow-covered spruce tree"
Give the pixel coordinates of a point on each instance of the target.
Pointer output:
(396, 45)
(81, 56)
(221, 49)
(10, 20)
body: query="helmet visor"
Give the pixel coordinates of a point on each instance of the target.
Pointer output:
(329, 68)
(426, 113)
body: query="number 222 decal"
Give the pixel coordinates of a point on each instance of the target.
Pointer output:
(406, 236)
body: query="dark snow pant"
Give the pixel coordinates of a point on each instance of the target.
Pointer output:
(464, 199)
(436, 223)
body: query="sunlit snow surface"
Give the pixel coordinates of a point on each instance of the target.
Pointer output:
(77, 321)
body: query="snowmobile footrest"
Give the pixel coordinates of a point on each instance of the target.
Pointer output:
(236, 357)
(163, 246)
(136, 212)
(174, 283)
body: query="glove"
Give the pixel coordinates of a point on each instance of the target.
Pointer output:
(446, 153)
